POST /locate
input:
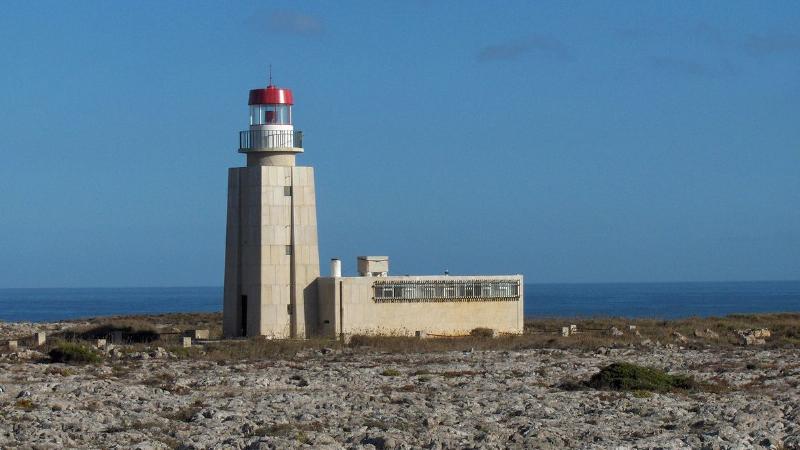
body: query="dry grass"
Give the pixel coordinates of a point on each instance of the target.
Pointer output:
(25, 405)
(539, 333)
(785, 328)
(176, 321)
(182, 415)
(262, 349)
(147, 328)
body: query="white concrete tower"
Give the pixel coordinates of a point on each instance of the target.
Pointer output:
(271, 254)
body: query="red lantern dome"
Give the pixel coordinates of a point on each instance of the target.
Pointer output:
(271, 95)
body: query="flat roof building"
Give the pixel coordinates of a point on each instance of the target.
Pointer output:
(436, 305)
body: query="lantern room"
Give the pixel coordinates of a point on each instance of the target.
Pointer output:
(271, 128)
(270, 106)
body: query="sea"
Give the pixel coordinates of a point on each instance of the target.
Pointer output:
(639, 300)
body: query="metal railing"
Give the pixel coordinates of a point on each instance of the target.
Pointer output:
(254, 140)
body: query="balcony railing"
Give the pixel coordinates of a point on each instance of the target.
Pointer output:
(255, 140)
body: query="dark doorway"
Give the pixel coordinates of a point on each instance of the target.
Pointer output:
(243, 317)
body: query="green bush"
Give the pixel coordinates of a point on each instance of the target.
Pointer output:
(630, 377)
(482, 332)
(131, 333)
(391, 373)
(74, 354)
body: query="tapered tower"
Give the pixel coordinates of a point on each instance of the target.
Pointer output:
(271, 252)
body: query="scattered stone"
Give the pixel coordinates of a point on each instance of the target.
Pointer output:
(749, 339)
(26, 354)
(159, 352)
(564, 331)
(39, 338)
(753, 336)
(198, 334)
(679, 337)
(573, 329)
(711, 334)
(762, 333)
(614, 331)
(511, 398)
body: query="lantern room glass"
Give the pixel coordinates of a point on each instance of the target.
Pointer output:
(270, 114)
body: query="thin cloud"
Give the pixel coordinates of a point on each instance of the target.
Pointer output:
(691, 67)
(513, 50)
(635, 33)
(697, 33)
(294, 23)
(707, 33)
(771, 44)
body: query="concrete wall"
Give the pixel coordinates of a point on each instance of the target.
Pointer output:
(262, 222)
(347, 307)
(305, 255)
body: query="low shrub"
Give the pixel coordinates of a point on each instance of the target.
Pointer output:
(631, 377)
(133, 333)
(391, 373)
(460, 373)
(63, 371)
(70, 353)
(482, 332)
(183, 415)
(25, 404)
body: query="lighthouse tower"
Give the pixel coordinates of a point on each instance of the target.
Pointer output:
(271, 254)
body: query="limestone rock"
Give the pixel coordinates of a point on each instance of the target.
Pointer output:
(755, 336)
(447, 399)
(679, 337)
(708, 333)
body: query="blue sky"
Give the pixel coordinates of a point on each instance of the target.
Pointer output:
(568, 141)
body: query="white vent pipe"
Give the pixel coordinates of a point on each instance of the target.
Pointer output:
(336, 267)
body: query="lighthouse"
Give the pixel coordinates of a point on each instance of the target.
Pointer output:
(271, 251)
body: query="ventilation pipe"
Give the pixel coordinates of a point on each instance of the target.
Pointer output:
(336, 267)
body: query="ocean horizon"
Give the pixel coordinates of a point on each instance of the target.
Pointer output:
(669, 300)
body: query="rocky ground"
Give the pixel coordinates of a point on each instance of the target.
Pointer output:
(472, 393)
(358, 398)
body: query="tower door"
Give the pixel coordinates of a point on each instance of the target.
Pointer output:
(243, 317)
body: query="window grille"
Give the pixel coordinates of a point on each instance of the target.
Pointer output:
(438, 291)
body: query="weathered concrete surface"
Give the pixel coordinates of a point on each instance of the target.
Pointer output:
(364, 399)
(347, 307)
(272, 255)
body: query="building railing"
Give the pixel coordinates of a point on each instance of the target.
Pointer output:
(255, 140)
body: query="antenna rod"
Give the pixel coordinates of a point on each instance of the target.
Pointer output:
(270, 74)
